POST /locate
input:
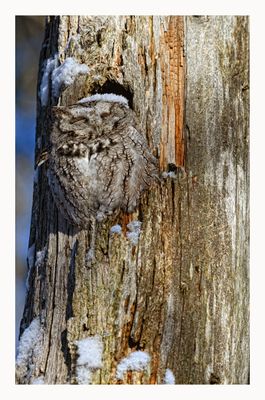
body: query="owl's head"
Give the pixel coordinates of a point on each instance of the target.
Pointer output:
(90, 119)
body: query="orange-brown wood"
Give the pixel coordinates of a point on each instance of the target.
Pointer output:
(173, 80)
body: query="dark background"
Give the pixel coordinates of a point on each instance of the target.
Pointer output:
(29, 36)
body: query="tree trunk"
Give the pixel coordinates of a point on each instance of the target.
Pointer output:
(173, 307)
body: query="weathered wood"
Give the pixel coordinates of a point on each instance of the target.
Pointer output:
(218, 193)
(181, 294)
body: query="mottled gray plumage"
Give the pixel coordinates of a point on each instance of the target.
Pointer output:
(98, 161)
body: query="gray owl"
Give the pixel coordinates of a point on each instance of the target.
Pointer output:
(98, 160)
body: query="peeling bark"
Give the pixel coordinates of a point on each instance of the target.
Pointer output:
(182, 293)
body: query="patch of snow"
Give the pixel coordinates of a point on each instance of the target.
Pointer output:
(90, 351)
(136, 361)
(133, 237)
(28, 341)
(134, 225)
(170, 174)
(40, 255)
(116, 229)
(105, 97)
(83, 375)
(38, 381)
(169, 378)
(65, 74)
(135, 230)
(50, 64)
(90, 358)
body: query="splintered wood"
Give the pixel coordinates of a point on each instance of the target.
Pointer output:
(173, 78)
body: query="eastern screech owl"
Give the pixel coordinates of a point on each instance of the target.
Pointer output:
(98, 160)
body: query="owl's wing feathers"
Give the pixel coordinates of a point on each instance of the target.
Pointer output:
(144, 167)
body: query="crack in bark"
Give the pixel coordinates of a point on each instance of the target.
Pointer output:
(69, 310)
(51, 312)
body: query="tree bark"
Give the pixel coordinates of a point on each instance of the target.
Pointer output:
(182, 293)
